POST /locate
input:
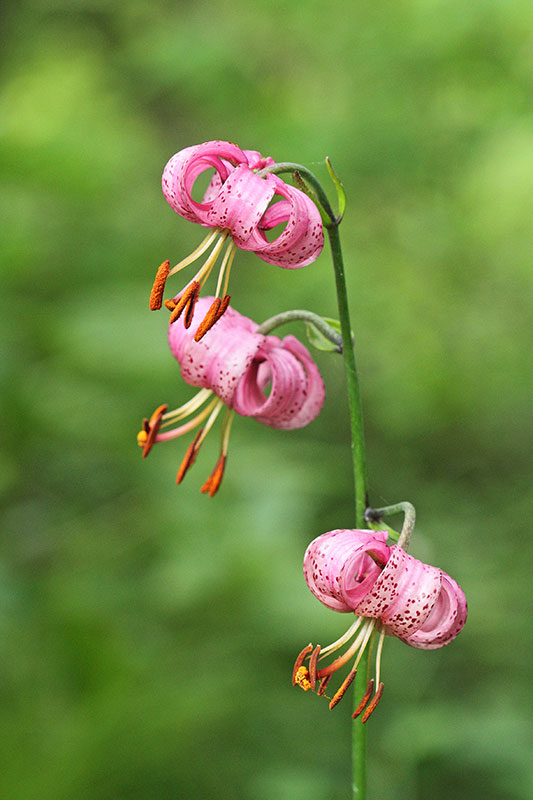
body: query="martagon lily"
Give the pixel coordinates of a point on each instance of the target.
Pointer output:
(273, 380)
(391, 594)
(239, 206)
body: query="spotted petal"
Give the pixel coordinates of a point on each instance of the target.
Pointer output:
(338, 569)
(302, 239)
(221, 358)
(446, 619)
(297, 391)
(183, 169)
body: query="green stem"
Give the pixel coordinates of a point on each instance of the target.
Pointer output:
(360, 485)
(409, 518)
(357, 436)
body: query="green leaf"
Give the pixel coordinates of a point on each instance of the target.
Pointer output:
(341, 194)
(318, 340)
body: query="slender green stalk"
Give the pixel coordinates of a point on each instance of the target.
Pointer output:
(360, 485)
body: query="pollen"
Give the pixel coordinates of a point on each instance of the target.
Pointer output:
(301, 678)
(156, 295)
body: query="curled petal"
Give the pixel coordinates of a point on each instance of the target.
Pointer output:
(338, 569)
(219, 360)
(446, 619)
(296, 394)
(239, 203)
(403, 595)
(302, 239)
(183, 169)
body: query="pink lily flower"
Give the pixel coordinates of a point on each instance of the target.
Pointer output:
(391, 594)
(273, 380)
(237, 208)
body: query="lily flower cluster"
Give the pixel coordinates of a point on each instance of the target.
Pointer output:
(239, 206)
(390, 592)
(273, 380)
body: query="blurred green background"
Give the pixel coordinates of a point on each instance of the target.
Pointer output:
(148, 632)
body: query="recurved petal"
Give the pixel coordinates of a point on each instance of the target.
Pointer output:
(338, 569)
(404, 593)
(302, 239)
(446, 619)
(296, 392)
(240, 203)
(220, 359)
(185, 166)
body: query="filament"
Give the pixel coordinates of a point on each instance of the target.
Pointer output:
(189, 426)
(378, 655)
(187, 408)
(195, 255)
(343, 639)
(225, 268)
(205, 270)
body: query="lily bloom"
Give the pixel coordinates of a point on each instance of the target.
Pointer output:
(391, 594)
(237, 369)
(237, 208)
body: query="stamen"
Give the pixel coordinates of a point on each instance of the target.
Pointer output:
(343, 639)
(205, 270)
(190, 295)
(189, 457)
(339, 694)
(212, 484)
(359, 643)
(225, 267)
(199, 251)
(300, 658)
(364, 700)
(153, 426)
(378, 655)
(187, 408)
(188, 426)
(312, 666)
(156, 295)
(322, 685)
(372, 706)
(217, 309)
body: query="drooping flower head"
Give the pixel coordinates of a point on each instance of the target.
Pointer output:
(239, 206)
(273, 380)
(391, 594)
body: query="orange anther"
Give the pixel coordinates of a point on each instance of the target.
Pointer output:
(364, 700)
(216, 310)
(189, 457)
(372, 705)
(156, 295)
(151, 428)
(312, 666)
(190, 293)
(212, 484)
(339, 694)
(300, 658)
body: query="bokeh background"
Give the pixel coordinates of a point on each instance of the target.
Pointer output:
(148, 632)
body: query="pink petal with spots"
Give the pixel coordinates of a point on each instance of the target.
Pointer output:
(446, 620)
(238, 363)
(403, 595)
(301, 241)
(184, 168)
(220, 359)
(240, 203)
(296, 393)
(338, 570)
